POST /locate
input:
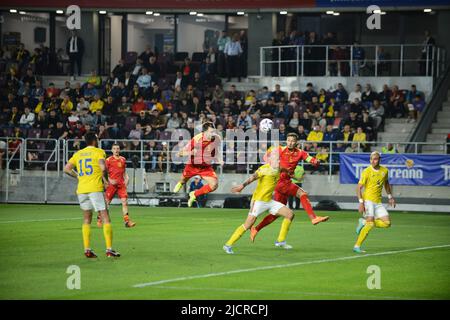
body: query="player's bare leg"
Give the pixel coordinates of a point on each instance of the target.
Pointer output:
(107, 233)
(126, 218)
(306, 204)
(237, 234)
(210, 186)
(86, 231)
(288, 217)
(180, 184)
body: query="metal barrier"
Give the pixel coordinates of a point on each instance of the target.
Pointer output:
(245, 162)
(345, 60)
(9, 160)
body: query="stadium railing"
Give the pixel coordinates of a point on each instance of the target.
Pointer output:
(440, 94)
(378, 59)
(55, 153)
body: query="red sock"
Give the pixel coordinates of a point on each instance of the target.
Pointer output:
(203, 190)
(307, 206)
(266, 221)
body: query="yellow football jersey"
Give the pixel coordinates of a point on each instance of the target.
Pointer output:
(267, 180)
(373, 181)
(89, 173)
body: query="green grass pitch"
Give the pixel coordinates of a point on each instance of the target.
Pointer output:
(182, 248)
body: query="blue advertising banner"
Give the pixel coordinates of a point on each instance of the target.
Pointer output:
(381, 3)
(404, 169)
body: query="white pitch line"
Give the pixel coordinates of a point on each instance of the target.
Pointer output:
(209, 275)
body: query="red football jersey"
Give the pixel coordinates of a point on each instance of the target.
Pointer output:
(202, 151)
(289, 159)
(116, 168)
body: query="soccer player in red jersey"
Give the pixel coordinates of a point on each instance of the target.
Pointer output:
(117, 183)
(289, 157)
(202, 149)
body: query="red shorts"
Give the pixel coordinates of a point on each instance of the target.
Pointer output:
(202, 171)
(120, 189)
(285, 189)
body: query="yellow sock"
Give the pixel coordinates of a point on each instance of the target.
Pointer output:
(382, 224)
(236, 235)
(284, 230)
(107, 233)
(86, 231)
(363, 234)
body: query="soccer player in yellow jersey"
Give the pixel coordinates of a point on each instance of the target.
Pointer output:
(91, 173)
(373, 178)
(267, 176)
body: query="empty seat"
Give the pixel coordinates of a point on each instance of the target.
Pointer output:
(34, 133)
(181, 55)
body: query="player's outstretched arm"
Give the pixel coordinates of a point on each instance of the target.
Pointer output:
(240, 187)
(68, 169)
(388, 189)
(361, 207)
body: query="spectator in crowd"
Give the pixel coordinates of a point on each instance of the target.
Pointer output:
(144, 81)
(145, 56)
(263, 94)
(389, 148)
(136, 133)
(346, 134)
(355, 94)
(385, 95)
(426, 54)
(358, 58)
(244, 45)
(96, 104)
(153, 69)
(330, 134)
(233, 52)
(315, 135)
(75, 50)
(277, 95)
(120, 69)
(368, 96)
(352, 148)
(27, 119)
(187, 73)
(416, 108)
(360, 137)
(66, 106)
(396, 108)
(302, 136)
(376, 114)
(309, 94)
(221, 43)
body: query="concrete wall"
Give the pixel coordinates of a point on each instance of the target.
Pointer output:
(409, 198)
(261, 31)
(25, 25)
(116, 40)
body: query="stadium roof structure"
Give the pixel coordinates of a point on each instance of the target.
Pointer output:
(228, 5)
